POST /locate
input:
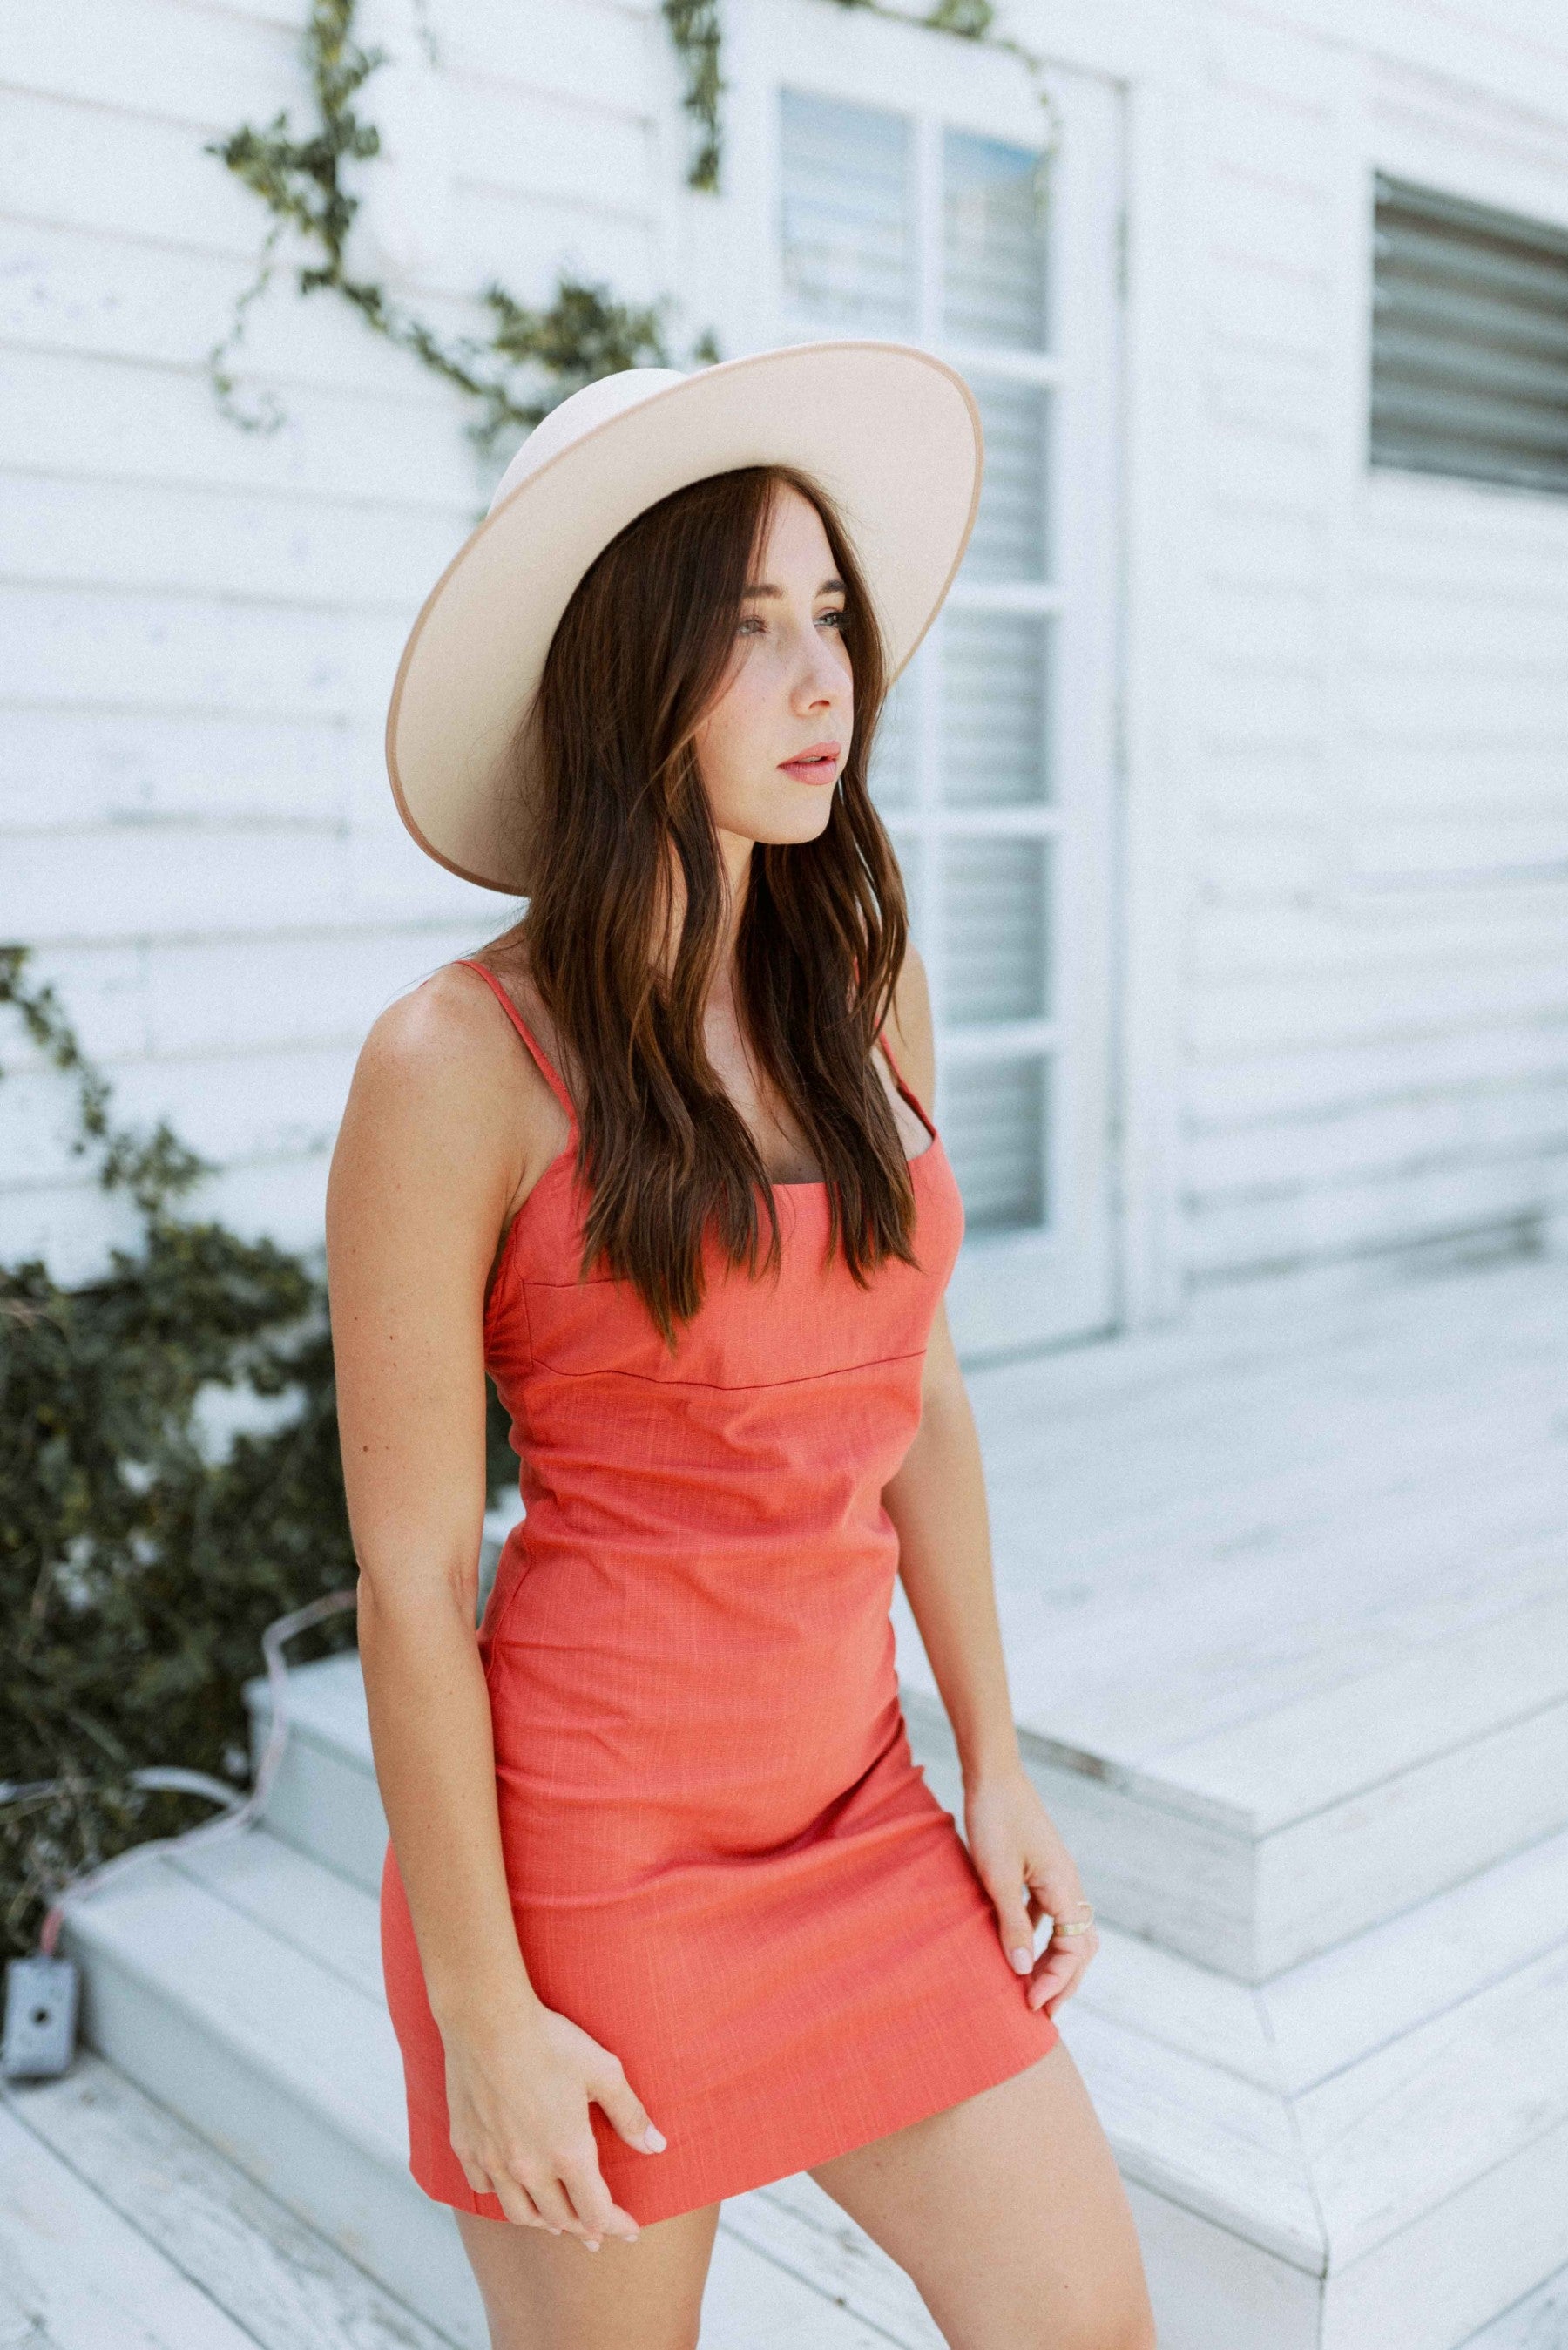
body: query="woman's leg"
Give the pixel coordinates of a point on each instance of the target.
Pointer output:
(1009, 2214)
(550, 2293)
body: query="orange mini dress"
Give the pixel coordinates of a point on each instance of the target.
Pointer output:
(723, 1862)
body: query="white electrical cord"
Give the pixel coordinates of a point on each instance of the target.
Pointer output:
(239, 1812)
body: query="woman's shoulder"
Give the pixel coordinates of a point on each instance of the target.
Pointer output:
(443, 1024)
(444, 1058)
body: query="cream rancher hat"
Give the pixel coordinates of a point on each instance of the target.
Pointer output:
(891, 433)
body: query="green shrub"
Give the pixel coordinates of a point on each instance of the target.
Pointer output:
(141, 1555)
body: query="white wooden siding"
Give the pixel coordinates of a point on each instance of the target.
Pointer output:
(1373, 989)
(198, 626)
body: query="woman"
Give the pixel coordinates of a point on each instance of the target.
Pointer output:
(667, 1910)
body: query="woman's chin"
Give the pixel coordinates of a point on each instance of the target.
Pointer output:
(801, 817)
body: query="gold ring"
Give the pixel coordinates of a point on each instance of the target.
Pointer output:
(1064, 1933)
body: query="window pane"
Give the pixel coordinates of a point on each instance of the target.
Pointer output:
(994, 933)
(995, 685)
(893, 751)
(994, 231)
(1009, 540)
(847, 237)
(993, 1120)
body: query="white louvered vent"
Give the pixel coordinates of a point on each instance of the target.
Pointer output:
(847, 235)
(1470, 340)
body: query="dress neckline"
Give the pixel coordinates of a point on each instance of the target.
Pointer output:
(553, 1078)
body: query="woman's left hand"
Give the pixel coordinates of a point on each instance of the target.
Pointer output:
(1029, 1874)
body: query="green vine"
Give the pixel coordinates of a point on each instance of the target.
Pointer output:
(141, 1555)
(695, 36)
(584, 334)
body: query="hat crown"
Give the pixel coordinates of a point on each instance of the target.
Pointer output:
(580, 413)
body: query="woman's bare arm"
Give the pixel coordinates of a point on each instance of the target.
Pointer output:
(420, 1178)
(447, 1127)
(936, 1502)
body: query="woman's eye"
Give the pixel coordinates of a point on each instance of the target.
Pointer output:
(746, 625)
(835, 618)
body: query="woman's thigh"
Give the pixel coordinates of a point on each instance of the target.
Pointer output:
(550, 2293)
(1009, 2214)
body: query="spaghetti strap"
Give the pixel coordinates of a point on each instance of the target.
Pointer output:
(546, 1067)
(912, 1098)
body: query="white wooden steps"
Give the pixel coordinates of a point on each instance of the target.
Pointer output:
(1287, 1622)
(238, 1988)
(1332, 2141)
(1327, 2160)
(1285, 1600)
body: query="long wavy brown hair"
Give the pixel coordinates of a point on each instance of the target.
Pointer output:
(614, 800)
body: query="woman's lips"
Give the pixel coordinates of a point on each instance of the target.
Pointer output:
(817, 764)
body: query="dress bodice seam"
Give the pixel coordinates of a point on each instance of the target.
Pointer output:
(505, 1264)
(726, 1386)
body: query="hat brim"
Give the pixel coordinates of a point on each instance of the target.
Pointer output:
(892, 434)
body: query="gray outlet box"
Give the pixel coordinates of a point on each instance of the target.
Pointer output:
(40, 2034)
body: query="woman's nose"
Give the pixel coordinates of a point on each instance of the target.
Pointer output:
(823, 677)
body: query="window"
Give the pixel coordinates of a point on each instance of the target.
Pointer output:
(899, 225)
(1470, 340)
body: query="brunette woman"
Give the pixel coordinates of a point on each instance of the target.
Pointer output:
(669, 1910)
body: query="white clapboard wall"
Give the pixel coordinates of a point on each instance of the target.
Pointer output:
(201, 626)
(1335, 1020)
(1373, 987)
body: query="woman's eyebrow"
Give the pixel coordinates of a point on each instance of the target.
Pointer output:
(767, 587)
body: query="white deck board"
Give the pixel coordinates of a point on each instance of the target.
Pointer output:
(1539, 2321)
(275, 2279)
(776, 2284)
(1265, 1516)
(332, 1922)
(82, 2275)
(210, 2261)
(1285, 1600)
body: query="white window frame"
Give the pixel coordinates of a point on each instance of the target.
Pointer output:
(1010, 1290)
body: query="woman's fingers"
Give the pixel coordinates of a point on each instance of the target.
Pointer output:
(599, 2215)
(1061, 1970)
(1010, 1899)
(522, 2105)
(514, 2200)
(555, 2204)
(627, 2114)
(574, 2201)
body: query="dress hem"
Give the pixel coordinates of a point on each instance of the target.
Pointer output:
(431, 2162)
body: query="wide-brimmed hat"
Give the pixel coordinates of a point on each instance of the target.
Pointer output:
(892, 434)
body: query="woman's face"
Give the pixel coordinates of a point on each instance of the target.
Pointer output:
(770, 748)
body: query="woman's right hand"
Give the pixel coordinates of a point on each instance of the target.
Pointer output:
(517, 2101)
